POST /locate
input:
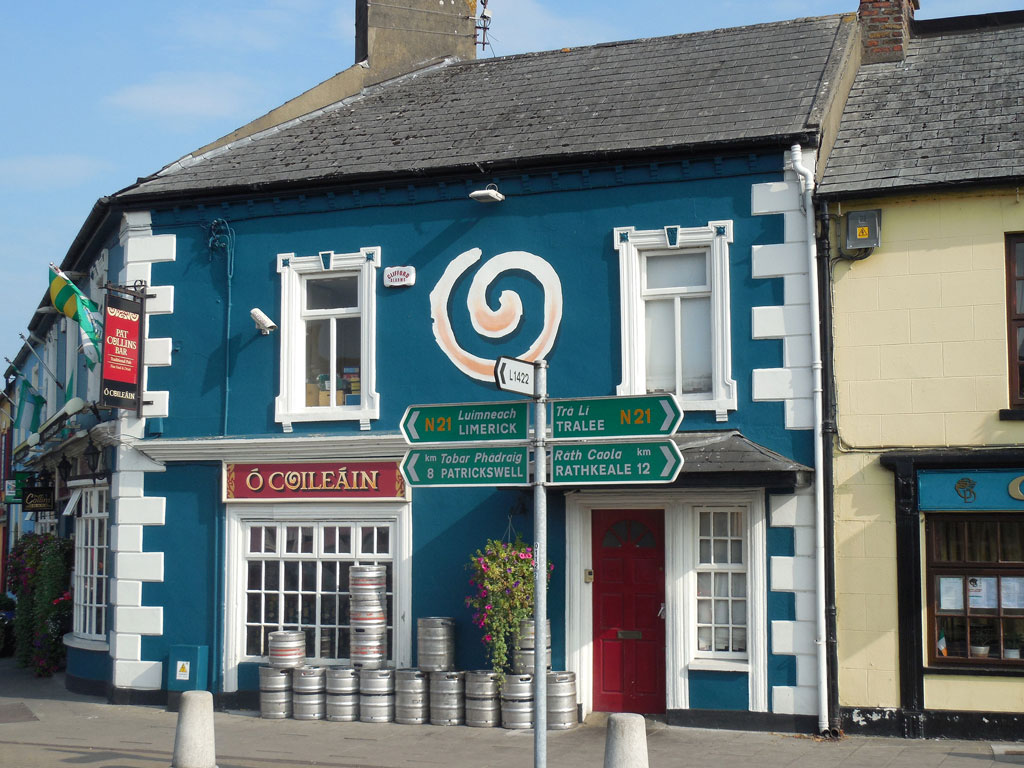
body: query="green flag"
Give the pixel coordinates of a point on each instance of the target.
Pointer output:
(69, 300)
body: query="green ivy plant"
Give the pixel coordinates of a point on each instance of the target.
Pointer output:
(502, 595)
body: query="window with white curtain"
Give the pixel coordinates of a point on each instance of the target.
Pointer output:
(721, 566)
(674, 285)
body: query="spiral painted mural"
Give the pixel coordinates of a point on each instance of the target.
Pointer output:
(494, 323)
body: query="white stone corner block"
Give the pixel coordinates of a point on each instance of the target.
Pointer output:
(126, 592)
(779, 322)
(781, 383)
(800, 413)
(792, 574)
(145, 510)
(150, 248)
(162, 301)
(126, 647)
(126, 538)
(158, 351)
(797, 509)
(159, 406)
(148, 620)
(806, 604)
(132, 460)
(138, 271)
(796, 289)
(779, 260)
(144, 566)
(783, 699)
(806, 671)
(139, 675)
(793, 637)
(796, 351)
(774, 197)
(795, 227)
(124, 484)
(805, 700)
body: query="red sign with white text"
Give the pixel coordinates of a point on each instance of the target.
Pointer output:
(313, 480)
(122, 347)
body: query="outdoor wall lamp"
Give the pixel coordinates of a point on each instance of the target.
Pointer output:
(488, 194)
(64, 468)
(92, 456)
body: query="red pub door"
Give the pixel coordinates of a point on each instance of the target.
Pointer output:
(629, 592)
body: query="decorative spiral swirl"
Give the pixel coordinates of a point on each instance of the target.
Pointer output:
(494, 323)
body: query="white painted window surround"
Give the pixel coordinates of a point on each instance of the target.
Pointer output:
(241, 517)
(290, 405)
(682, 512)
(639, 291)
(91, 556)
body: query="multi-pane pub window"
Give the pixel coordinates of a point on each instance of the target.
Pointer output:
(976, 588)
(297, 579)
(1015, 316)
(721, 582)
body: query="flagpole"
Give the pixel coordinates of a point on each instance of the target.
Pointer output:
(41, 361)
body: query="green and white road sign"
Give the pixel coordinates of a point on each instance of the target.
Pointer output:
(609, 417)
(655, 461)
(484, 465)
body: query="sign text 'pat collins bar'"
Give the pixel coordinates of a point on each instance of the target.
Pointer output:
(609, 417)
(492, 466)
(122, 352)
(655, 461)
(466, 422)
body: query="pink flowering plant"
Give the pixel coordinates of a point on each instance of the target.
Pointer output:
(501, 595)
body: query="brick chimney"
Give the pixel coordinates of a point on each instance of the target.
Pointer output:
(885, 28)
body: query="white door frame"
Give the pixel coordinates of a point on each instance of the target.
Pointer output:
(680, 589)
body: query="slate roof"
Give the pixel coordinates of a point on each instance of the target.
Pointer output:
(740, 86)
(951, 113)
(730, 451)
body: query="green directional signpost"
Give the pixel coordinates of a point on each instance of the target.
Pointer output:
(593, 441)
(482, 465)
(591, 463)
(604, 417)
(466, 422)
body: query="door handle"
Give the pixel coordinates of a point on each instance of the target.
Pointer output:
(661, 611)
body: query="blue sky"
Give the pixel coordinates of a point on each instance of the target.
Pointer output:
(98, 94)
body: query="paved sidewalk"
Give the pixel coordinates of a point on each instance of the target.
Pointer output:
(43, 725)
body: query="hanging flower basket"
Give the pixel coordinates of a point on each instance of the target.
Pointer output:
(501, 596)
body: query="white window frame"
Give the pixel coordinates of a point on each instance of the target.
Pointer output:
(715, 568)
(290, 405)
(297, 513)
(633, 246)
(680, 589)
(90, 617)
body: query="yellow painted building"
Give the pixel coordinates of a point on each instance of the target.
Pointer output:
(926, 391)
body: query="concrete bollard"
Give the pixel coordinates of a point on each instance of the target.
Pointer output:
(193, 739)
(625, 741)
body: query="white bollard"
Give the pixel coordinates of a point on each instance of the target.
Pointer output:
(193, 739)
(625, 741)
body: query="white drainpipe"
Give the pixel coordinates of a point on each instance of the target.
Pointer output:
(807, 190)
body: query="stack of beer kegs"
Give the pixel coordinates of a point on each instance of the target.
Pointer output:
(368, 612)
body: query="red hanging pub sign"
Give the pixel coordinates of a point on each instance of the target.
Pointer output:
(122, 351)
(313, 481)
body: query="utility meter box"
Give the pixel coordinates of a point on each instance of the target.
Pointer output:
(862, 228)
(187, 667)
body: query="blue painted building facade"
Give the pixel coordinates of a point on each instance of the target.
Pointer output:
(680, 271)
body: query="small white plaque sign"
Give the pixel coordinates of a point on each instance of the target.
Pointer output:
(395, 277)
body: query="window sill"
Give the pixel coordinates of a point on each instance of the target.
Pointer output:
(1011, 414)
(719, 665)
(71, 640)
(1008, 670)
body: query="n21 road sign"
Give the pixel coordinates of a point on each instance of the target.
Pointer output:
(466, 422)
(493, 466)
(600, 417)
(656, 461)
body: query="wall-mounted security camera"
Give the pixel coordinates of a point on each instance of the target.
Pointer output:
(263, 323)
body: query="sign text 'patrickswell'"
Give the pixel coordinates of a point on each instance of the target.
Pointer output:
(313, 480)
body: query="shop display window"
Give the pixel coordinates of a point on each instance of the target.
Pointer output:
(975, 588)
(297, 579)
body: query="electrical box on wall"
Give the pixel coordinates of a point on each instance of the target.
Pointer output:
(862, 228)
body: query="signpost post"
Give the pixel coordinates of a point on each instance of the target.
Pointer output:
(600, 458)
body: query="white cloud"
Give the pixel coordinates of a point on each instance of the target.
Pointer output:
(34, 172)
(189, 95)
